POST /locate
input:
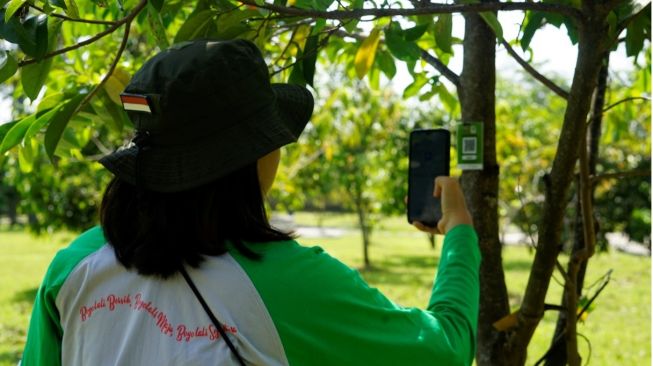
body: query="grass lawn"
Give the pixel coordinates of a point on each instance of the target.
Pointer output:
(619, 328)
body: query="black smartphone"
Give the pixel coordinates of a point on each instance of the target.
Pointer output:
(428, 156)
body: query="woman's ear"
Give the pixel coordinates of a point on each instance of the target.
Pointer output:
(267, 170)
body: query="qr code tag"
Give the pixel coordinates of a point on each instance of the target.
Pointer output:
(469, 142)
(469, 145)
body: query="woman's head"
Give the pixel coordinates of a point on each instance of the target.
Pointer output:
(209, 126)
(157, 232)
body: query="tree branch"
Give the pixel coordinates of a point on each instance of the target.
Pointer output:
(102, 34)
(77, 20)
(121, 49)
(322, 43)
(425, 10)
(541, 78)
(562, 271)
(624, 101)
(442, 68)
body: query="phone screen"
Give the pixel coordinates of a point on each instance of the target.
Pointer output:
(428, 159)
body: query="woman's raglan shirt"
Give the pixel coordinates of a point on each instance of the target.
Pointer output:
(296, 306)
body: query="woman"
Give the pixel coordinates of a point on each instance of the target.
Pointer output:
(185, 268)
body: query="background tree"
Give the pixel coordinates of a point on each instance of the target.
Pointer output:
(354, 151)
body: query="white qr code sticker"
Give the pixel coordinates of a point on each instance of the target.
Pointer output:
(469, 145)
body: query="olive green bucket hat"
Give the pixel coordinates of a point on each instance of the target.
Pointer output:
(202, 110)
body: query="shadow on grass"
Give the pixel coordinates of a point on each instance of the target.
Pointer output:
(9, 357)
(400, 270)
(517, 265)
(27, 296)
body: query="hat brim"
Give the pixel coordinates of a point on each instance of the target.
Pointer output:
(179, 168)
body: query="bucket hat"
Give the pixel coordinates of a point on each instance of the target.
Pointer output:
(202, 110)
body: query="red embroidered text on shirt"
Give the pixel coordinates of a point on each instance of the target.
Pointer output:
(181, 332)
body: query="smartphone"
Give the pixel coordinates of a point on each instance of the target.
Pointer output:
(428, 156)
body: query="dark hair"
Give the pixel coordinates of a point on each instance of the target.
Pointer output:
(158, 232)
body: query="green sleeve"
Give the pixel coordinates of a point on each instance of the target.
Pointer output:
(326, 314)
(44, 336)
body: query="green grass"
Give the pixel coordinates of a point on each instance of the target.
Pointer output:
(23, 262)
(619, 328)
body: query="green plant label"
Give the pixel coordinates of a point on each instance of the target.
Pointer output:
(469, 142)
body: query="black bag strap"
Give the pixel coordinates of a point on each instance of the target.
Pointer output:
(210, 314)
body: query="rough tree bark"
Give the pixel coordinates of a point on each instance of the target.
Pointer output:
(477, 93)
(558, 354)
(593, 38)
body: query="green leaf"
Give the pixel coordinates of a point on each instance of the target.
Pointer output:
(48, 8)
(399, 47)
(12, 8)
(375, 79)
(427, 96)
(297, 73)
(157, 27)
(58, 123)
(555, 20)
(8, 66)
(424, 19)
(417, 84)
(58, 3)
(41, 121)
(31, 35)
(386, 63)
(446, 97)
(313, 4)
(33, 77)
(612, 24)
(4, 128)
(194, 26)
(112, 115)
(366, 53)
(414, 33)
(322, 4)
(533, 22)
(636, 33)
(157, 4)
(310, 58)
(232, 24)
(319, 25)
(492, 21)
(71, 8)
(572, 30)
(42, 37)
(443, 28)
(27, 154)
(16, 133)
(351, 26)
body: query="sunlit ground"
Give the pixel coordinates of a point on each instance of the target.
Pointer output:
(403, 265)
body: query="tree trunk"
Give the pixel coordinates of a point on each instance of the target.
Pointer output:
(592, 44)
(362, 224)
(477, 93)
(558, 353)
